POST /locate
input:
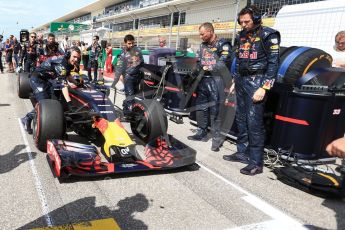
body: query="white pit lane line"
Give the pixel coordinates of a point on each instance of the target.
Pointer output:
(280, 219)
(38, 184)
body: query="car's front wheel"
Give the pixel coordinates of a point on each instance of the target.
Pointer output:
(23, 85)
(48, 122)
(149, 120)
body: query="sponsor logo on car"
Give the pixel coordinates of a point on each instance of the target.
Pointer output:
(128, 165)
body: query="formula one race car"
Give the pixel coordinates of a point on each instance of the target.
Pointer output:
(94, 116)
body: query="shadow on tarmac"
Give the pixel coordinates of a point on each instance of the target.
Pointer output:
(13, 159)
(85, 210)
(339, 212)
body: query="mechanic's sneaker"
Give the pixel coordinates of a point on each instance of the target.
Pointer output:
(201, 135)
(251, 170)
(237, 157)
(27, 124)
(215, 147)
(216, 144)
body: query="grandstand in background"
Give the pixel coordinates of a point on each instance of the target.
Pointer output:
(149, 19)
(270, 8)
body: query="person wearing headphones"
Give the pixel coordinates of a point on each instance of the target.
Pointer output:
(257, 60)
(29, 53)
(52, 68)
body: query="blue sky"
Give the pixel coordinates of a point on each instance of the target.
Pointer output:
(25, 14)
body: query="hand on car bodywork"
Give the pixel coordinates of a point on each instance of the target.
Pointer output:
(337, 148)
(259, 95)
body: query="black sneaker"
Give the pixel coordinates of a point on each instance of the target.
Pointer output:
(251, 170)
(237, 157)
(199, 136)
(27, 124)
(214, 148)
(216, 144)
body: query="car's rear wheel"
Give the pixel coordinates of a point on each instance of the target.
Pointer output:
(48, 122)
(149, 120)
(23, 85)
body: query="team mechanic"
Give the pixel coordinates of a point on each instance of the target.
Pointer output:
(40, 80)
(128, 65)
(257, 64)
(49, 49)
(29, 53)
(214, 59)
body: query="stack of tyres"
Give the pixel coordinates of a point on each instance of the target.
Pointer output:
(305, 121)
(296, 61)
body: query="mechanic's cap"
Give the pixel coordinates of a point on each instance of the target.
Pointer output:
(60, 70)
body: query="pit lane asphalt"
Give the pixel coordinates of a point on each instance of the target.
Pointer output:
(216, 196)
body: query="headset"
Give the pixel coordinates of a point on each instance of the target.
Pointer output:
(256, 17)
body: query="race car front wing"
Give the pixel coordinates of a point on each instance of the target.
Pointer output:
(70, 158)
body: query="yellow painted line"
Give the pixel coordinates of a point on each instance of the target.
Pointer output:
(103, 224)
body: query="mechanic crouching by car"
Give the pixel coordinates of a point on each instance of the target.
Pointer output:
(29, 53)
(257, 59)
(128, 65)
(50, 69)
(214, 60)
(49, 49)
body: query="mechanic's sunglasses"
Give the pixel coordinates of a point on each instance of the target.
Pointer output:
(340, 43)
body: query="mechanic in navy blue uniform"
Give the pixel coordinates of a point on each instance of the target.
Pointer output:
(48, 49)
(29, 53)
(257, 65)
(95, 50)
(41, 79)
(128, 65)
(214, 59)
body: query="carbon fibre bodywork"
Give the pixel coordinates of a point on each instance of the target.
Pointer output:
(95, 117)
(70, 158)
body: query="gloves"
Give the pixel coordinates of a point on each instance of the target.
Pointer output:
(60, 70)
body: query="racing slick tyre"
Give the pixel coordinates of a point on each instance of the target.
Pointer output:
(48, 122)
(296, 61)
(149, 120)
(23, 85)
